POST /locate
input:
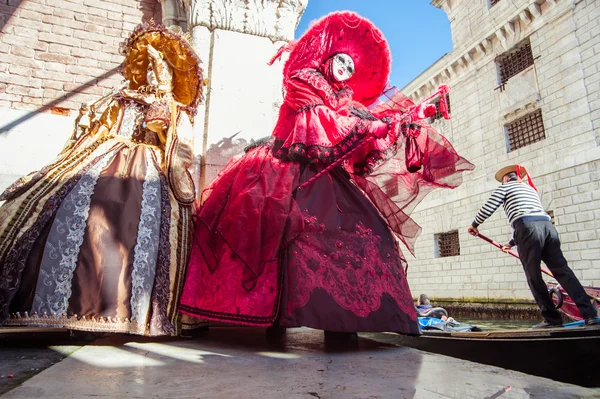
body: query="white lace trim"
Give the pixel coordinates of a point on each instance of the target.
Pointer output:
(146, 248)
(132, 117)
(59, 261)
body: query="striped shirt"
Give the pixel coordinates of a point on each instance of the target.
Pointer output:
(519, 200)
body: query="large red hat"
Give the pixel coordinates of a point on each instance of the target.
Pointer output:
(345, 32)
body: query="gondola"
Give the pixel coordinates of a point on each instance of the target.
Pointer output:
(569, 354)
(562, 354)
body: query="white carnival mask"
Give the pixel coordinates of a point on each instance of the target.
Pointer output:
(342, 67)
(151, 76)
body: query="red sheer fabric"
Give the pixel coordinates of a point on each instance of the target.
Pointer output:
(419, 161)
(254, 192)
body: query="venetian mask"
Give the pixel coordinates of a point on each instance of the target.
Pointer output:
(342, 67)
(151, 76)
(159, 72)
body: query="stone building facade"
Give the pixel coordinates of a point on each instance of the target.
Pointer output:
(57, 54)
(525, 82)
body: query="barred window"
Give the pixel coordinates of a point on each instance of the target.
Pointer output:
(494, 2)
(526, 130)
(438, 114)
(514, 61)
(447, 244)
(551, 214)
(390, 187)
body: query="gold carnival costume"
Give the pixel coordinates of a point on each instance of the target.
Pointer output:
(99, 240)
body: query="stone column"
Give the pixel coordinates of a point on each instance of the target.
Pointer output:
(235, 39)
(173, 14)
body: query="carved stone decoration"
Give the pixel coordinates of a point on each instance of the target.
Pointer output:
(508, 36)
(289, 13)
(199, 12)
(275, 19)
(228, 14)
(261, 17)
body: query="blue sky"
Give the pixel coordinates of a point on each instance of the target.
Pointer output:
(418, 33)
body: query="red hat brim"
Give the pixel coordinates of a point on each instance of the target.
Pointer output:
(349, 33)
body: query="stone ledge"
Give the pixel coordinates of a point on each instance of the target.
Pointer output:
(274, 19)
(498, 39)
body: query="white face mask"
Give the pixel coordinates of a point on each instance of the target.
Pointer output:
(151, 77)
(342, 67)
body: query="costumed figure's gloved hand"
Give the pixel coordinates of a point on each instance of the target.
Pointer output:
(422, 111)
(379, 129)
(185, 153)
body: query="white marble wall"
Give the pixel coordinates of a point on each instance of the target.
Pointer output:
(236, 39)
(28, 141)
(243, 96)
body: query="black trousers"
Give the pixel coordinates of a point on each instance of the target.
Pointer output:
(538, 241)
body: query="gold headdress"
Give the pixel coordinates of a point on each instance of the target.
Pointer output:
(176, 51)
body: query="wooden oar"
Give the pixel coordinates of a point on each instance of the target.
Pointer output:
(511, 252)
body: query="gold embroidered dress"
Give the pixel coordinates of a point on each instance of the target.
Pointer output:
(99, 239)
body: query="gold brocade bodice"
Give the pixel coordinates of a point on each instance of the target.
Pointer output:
(143, 123)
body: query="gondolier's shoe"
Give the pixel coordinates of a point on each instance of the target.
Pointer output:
(545, 324)
(592, 321)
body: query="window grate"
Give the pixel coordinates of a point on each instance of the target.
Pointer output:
(525, 131)
(438, 114)
(551, 214)
(390, 187)
(448, 244)
(514, 61)
(494, 2)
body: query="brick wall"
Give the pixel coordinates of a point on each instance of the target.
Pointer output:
(588, 36)
(60, 53)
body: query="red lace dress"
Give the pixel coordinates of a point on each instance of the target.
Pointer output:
(324, 256)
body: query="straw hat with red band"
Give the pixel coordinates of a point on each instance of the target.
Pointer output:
(520, 170)
(344, 32)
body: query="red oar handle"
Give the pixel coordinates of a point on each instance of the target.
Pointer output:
(497, 245)
(513, 253)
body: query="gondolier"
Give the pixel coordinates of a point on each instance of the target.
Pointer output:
(537, 240)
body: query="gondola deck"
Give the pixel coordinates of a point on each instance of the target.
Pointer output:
(563, 354)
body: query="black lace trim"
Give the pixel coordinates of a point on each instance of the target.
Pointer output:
(262, 142)
(307, 108)
(362, 113)
(300, 152)
(407, 128)
(375, 158)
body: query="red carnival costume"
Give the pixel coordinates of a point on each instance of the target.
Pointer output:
(297, 231)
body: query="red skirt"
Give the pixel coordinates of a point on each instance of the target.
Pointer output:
(323, 257)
